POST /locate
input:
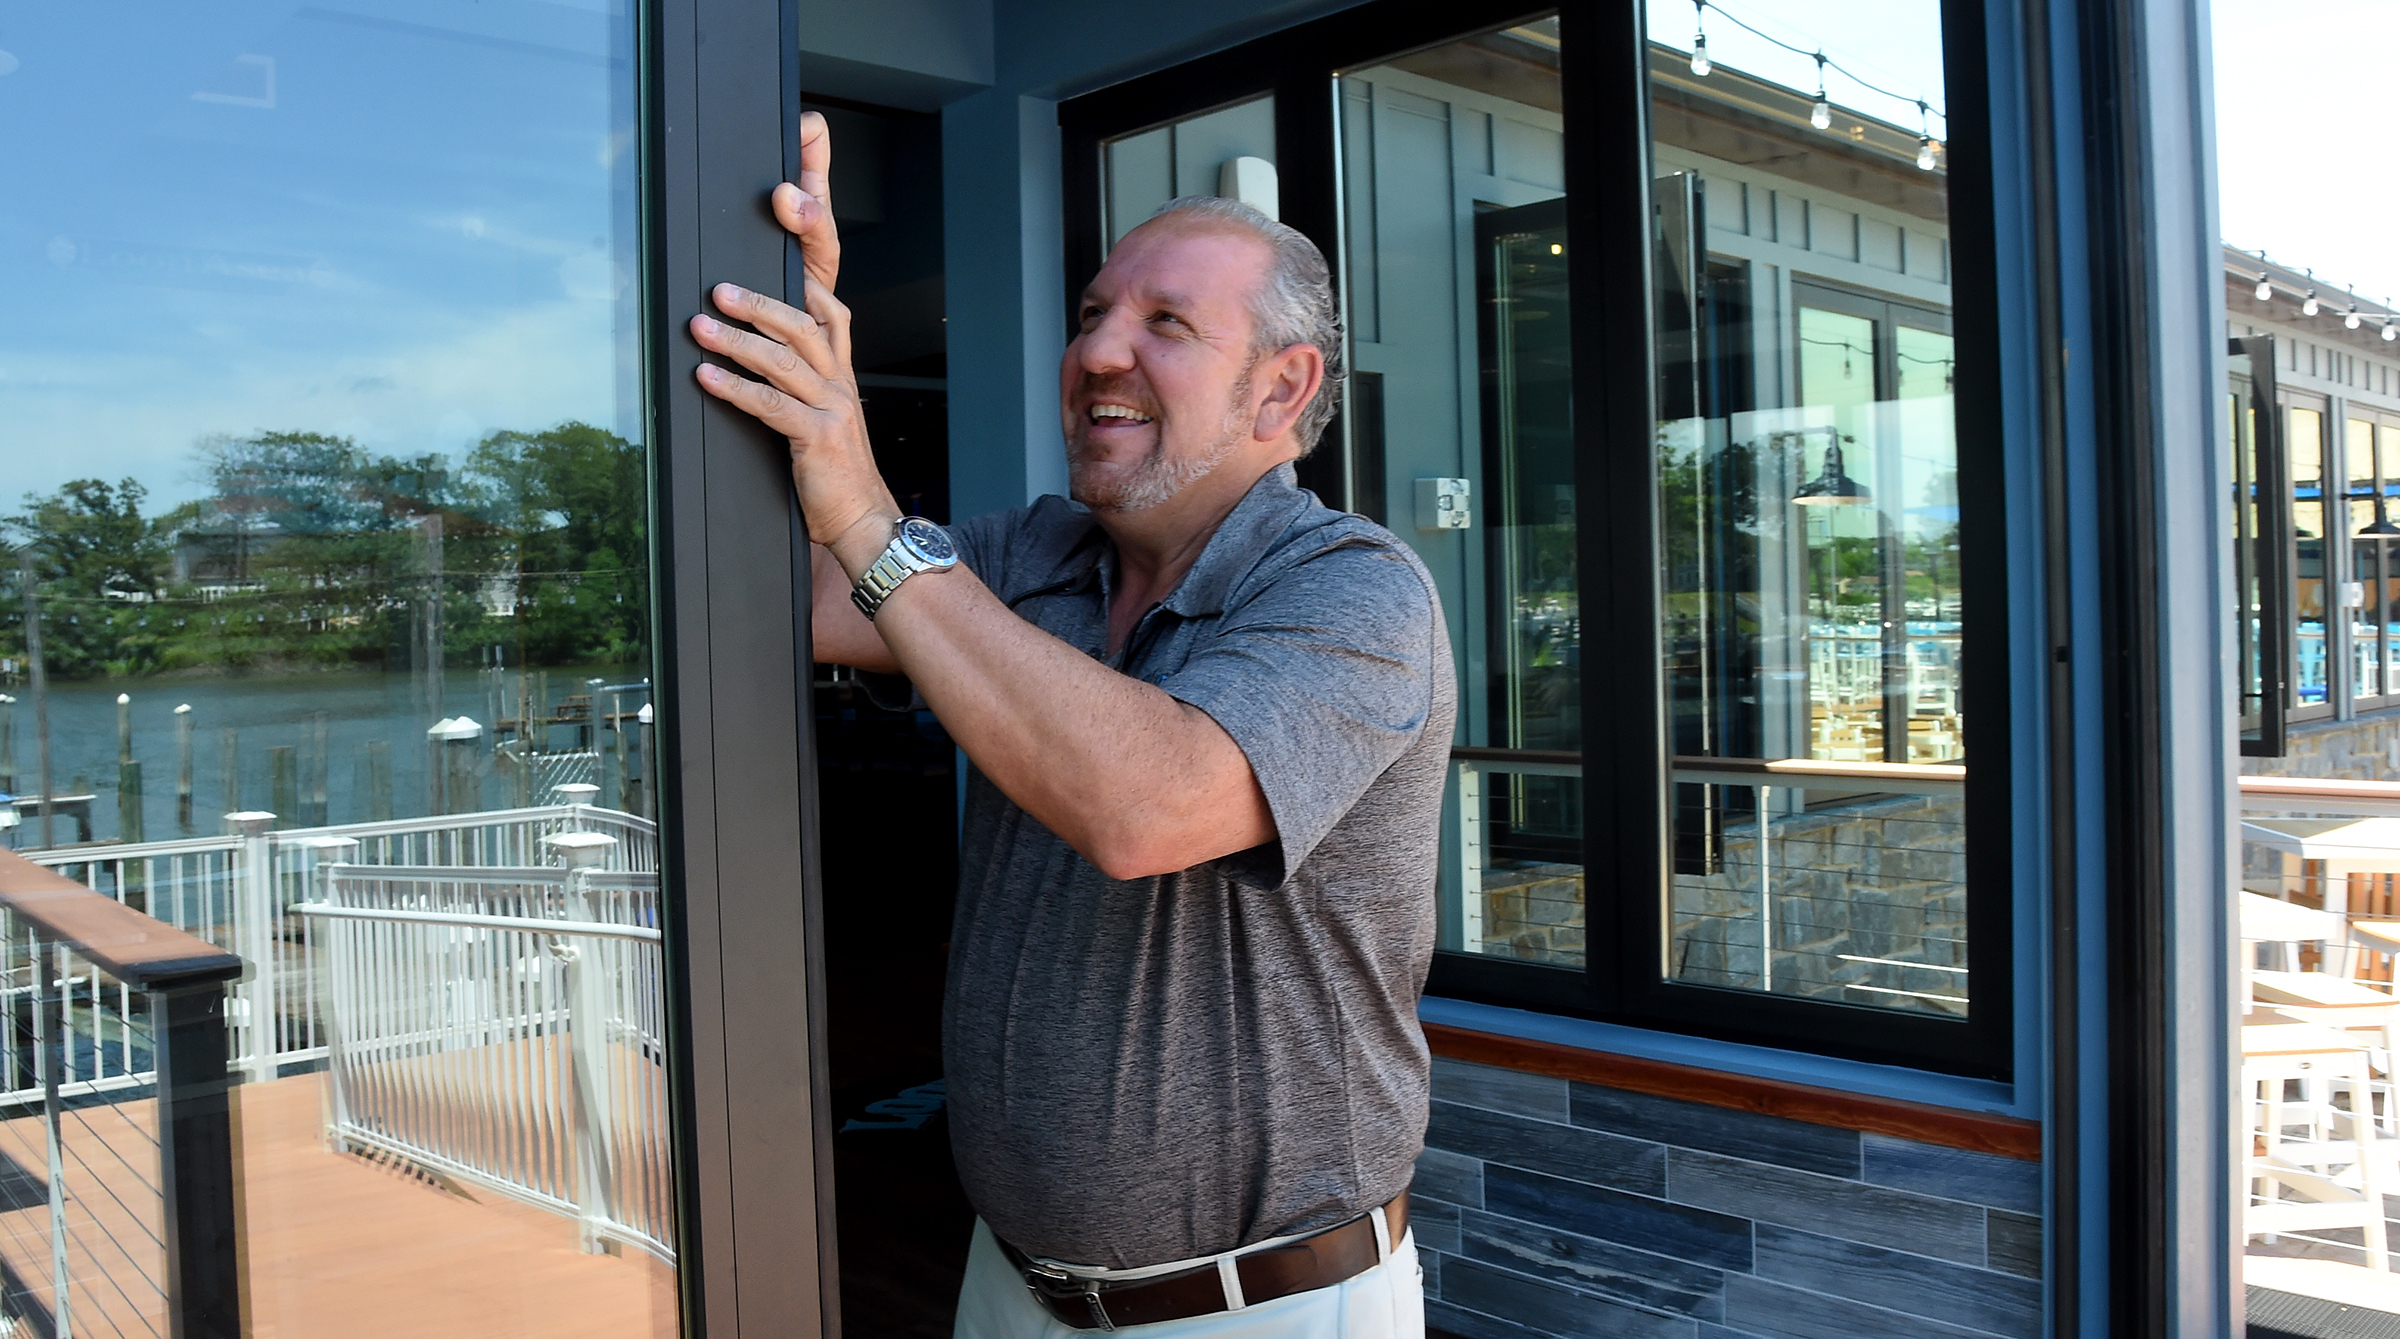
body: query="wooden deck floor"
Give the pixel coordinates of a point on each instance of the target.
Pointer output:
(335, 1244)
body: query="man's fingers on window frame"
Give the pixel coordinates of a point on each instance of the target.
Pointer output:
(795, 328)
(833, 314)
(795, 420)
(808, 215)
(773, 359)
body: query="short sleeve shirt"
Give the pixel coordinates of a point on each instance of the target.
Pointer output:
(1149, 1070)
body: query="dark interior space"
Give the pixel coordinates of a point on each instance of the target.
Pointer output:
(888, 778)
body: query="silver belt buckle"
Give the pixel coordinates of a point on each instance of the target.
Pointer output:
(1042, 1280)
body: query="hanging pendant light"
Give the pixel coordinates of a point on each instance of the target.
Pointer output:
(2266, 289)
(1821, 115)
(1925, 145)
(2353, 321)
(1700, 65)
(1833, 487)
(2308, 304)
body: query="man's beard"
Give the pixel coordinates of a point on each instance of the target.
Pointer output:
(1159, 476)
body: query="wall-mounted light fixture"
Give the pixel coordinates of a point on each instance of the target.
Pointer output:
(1833, 487)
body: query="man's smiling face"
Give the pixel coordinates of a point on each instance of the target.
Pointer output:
(1155, 391)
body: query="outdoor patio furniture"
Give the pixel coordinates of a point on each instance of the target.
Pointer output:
(2332, 1176)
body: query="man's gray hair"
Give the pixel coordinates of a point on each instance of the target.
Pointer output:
(1292, 305)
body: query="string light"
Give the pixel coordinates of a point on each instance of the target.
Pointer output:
(1925, 154)
(2388, 331)
(1821, 115)
(2308, 304)
(2353, 320)
(2266, 290)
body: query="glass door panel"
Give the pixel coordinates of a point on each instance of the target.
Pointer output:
(1455, 263)
(2311, 680)
(1812, 616)
(326, 410)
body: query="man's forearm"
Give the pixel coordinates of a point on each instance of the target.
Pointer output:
(1135, 780)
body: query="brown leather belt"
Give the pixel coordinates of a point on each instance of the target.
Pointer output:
(1320, 1261)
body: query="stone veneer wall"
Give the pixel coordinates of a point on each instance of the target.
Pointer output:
(1881, 879)
(1545, 1209)
(2364, 749)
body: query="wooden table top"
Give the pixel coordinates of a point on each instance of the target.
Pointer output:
(2318, 990)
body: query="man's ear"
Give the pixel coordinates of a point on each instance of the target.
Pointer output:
(1286, 380)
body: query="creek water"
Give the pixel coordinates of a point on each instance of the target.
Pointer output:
(264, 712)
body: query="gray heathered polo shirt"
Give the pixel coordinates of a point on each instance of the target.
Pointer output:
(1150, 1070)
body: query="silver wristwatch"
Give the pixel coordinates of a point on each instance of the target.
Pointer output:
(918, 545)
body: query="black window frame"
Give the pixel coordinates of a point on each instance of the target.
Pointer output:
(739, 845)
(2384, 427)
(2333, 559)
(1627, 790)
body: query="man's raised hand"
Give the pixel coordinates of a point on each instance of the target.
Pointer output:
(806, 210)
(810, 396)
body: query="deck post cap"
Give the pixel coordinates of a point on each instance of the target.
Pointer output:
(580, 850)
(251, 822)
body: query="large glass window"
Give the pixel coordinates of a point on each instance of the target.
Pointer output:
(328, 638)
(2306, 434)
(1813, 615)
(2371, 489)
(1455, 259)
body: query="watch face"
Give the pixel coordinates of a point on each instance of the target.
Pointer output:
(931, 542)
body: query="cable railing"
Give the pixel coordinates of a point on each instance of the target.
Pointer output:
(116, 1156)
(505, 1027)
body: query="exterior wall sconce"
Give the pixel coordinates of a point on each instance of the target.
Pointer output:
(1834, 487)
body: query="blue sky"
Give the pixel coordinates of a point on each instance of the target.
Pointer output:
(402, 222)
(407, 220)
(1894, 44)
(2305, 95)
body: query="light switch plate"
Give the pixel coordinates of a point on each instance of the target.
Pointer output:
(1443, 504)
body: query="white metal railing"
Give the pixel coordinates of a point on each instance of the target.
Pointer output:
(237, 891)
(506, 1027)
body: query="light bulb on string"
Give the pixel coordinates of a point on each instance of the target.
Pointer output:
(2308, 303)
(1925, 148)
(2389, 332)
(1700, 65)
(2353, 320)
(2266, 289)
(1821, 115)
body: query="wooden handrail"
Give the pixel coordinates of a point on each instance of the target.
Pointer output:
(141, 951)
(1939, 778)
(2319, 788)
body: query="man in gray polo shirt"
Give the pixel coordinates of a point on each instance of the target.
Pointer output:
(1208, 719)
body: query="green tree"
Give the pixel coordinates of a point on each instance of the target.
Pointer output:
(573, 503)
(97, 564)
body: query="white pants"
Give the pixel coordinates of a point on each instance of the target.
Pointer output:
(1386, 1302)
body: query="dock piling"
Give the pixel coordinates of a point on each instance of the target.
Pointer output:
(183, 767)
(229, 763)
(283, 780)
(39, 679)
